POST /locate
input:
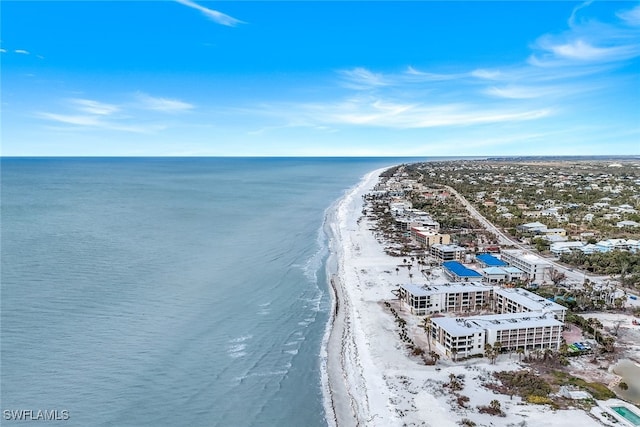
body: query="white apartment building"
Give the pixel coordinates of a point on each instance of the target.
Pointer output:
(467, 336)
(451, 297)
(535, 268)
(518, 300)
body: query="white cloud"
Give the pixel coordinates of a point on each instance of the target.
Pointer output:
(631, 17)
(3, 50)
(590, 41)
(487, 74)
(361, 78)
(81, 120)
(514, 92)
(95, 107)
(538, 91)
(166, 105)
(583, 51)
(427, 76)
(97, 122)
(214, 15)
(377, 112)
(21, 51)
(135, 117)
(574, 12)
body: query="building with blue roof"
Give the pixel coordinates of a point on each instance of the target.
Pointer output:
(459, 273)
(488, 260)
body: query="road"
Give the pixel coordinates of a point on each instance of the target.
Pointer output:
(573, 276)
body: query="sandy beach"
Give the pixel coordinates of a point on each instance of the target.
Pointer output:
(370, 377)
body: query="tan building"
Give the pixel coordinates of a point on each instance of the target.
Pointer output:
(427, 237)
(443, 252)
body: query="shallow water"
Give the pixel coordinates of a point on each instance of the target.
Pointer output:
(630, 373)
(167, 291)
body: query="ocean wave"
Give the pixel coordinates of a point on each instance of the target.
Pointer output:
(242, 338)
(314, 263)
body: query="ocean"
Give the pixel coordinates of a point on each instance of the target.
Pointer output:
(167, 291)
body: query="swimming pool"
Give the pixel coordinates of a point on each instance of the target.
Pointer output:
(627, 414)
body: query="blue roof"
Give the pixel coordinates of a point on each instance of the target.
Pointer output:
(490, 261)
(460, 270)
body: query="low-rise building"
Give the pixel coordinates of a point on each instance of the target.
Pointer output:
(532, 227)
(518, 300)
(514, 274)
(555, 232)
(427, 237)
(494, 275)
(467, 336)
(559, 248)
(459, 273)
(535, 268)
(443, 252)
(415, 297)
(489, 260)
(631, 224)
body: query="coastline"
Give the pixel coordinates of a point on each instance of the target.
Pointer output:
(344, 387)
(368, 376)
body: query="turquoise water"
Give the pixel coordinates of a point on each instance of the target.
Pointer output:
(177, 292)
(627, 414)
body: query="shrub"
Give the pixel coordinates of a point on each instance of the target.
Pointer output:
(539, 400)
(462, 400)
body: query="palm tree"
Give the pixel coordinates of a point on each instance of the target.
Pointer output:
(454, 353)
(497, 346)
(495, 405)
(434, 356)
(426, 325)
(488, 351)
(520, 352)
(564, 348)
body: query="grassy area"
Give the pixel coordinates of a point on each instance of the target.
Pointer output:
(598, 391)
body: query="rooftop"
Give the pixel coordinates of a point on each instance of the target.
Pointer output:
(496, 322)
(494, 270)
(460, 270)
(490, 261)
(415, 290)
(455, 287)
(529, 299)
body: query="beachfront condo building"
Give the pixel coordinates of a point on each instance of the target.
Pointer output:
(426, 237)
(443, 252)
(451, 297)
(518, 300)
(464, 337)
(536, 269)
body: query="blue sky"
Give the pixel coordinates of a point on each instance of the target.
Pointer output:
(331, 78)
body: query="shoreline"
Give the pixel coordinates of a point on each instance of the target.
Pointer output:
(368, 375)
(344, 385)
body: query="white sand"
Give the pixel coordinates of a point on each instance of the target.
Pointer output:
(370, 378)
